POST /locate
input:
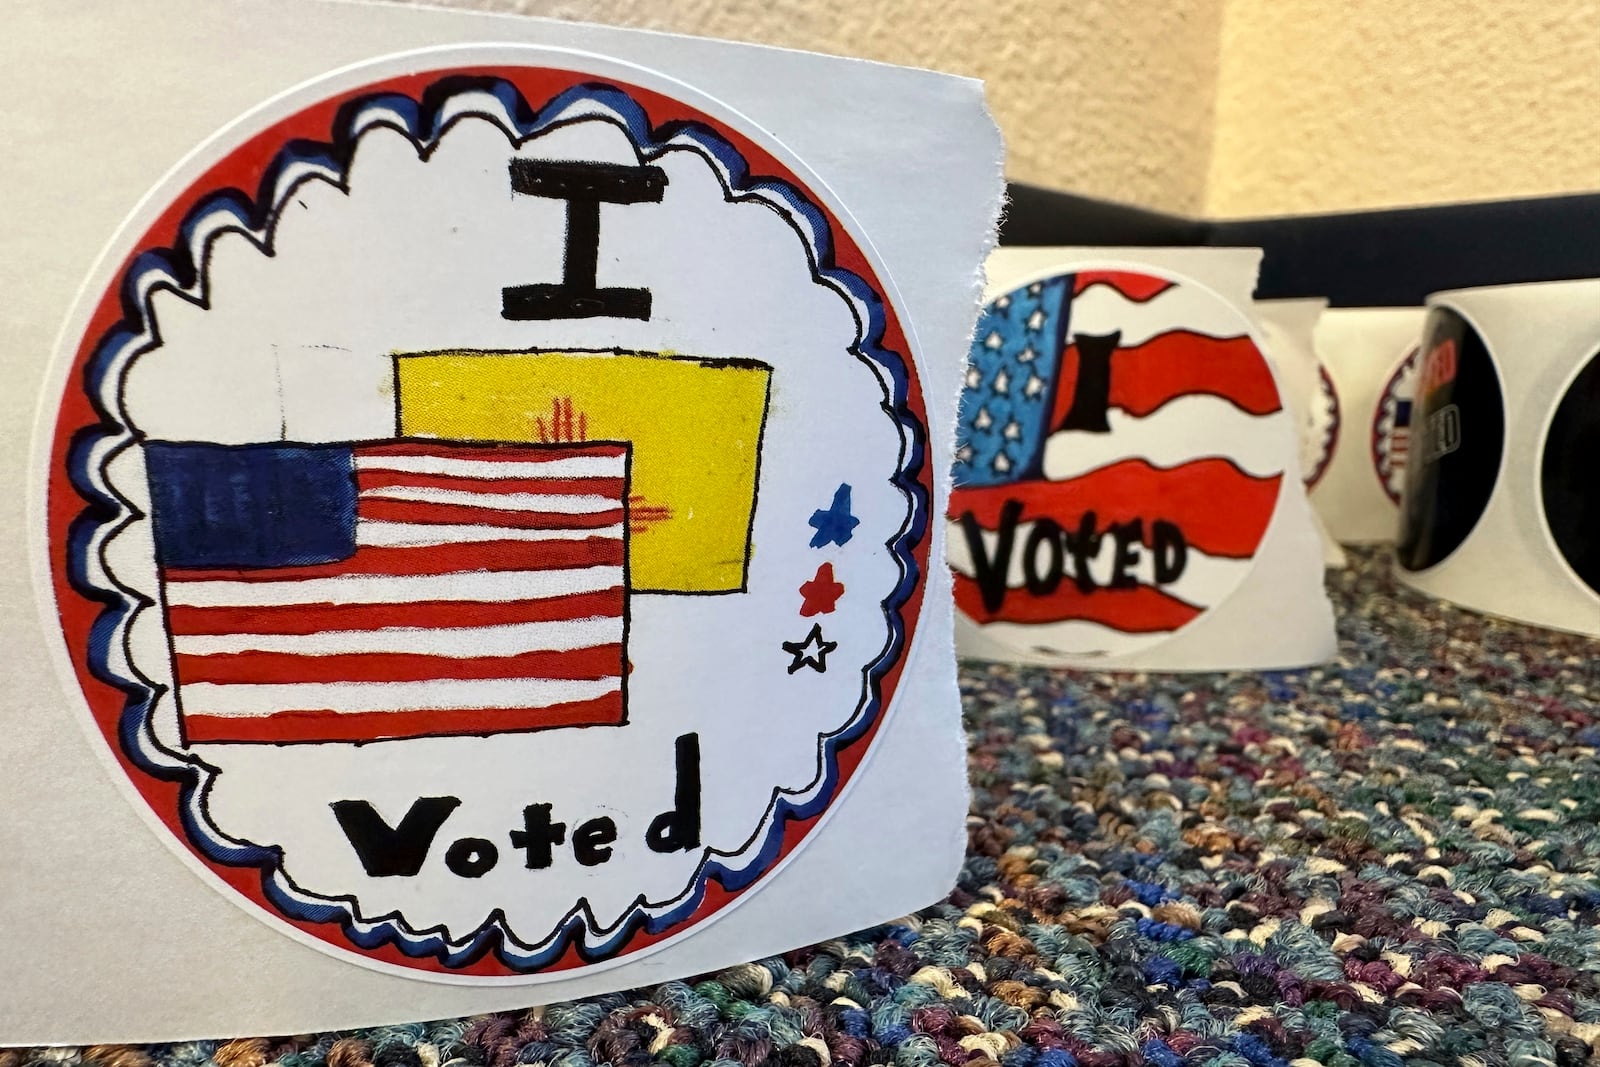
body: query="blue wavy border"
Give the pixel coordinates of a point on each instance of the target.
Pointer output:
(181, 269)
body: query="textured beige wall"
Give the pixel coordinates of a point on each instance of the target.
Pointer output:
(1109, 98)
(1225, 107)
(1328, 105)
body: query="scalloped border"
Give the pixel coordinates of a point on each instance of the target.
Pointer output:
(1330, 433)
(1383, 425)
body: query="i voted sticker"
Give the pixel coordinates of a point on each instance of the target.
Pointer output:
(488, 511)
(1457, 437)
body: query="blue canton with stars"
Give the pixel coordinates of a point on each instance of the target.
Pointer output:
(1005, 406)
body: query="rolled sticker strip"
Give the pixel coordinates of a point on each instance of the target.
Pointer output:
(488, 509)
(1362, 352)
(1119, 457)
(1567, 495)
(1501, 511)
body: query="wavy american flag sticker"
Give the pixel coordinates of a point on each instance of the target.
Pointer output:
(1119, 455)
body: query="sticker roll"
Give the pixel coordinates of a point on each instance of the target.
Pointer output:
(1127, 490)
(1289, 329)
(1362, 351)
(1501, 508)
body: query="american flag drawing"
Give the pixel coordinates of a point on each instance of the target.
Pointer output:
(1127, 399)
(373, 591)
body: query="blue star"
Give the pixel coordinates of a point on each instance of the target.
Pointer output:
(834, 524)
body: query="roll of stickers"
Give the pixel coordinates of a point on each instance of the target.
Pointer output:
(1288, 327)
(1501, 509)
(1127, 490)
(1364, 353)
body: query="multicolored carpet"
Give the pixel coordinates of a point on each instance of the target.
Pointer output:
(1391, 860)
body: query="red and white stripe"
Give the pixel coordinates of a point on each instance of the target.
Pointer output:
(487, 592)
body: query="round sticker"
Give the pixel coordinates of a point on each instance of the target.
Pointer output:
(1391, 426)
(1567, 478)
(488, 510)
(1322, 434)
(1119, 456)
(1456, 438)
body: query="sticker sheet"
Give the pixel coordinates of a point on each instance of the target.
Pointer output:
(487, 505)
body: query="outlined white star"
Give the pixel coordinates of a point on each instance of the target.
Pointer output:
(1002, 381)
(804, 657)
(982, 420)
(1002, 462)
(993, 341)
(1027, 355)
(964, 454)
(974, 377)
(1003, 303)
(1013, 431)
(1036, 320)
(1034, 387)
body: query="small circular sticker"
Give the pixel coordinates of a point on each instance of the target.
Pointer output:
(1391, 426)
(1567, 477)
(1120, 452)
(1457, 435)
(442, 534)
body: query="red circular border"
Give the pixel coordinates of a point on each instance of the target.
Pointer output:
(242, 169)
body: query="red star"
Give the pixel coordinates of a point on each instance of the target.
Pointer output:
(821, 593)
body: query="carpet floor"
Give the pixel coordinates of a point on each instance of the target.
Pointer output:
(1391, 860)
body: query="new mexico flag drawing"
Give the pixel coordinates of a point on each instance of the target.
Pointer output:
(695, 426)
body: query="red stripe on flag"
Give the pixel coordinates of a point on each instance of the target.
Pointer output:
(380, 510)
(491, 452)
(262, 668)
(431, 614)
(287, 727)
(382, 479)
(1140, 610)
(1221, 510)
(431, 559)
(1175, 364)
(1136, 287)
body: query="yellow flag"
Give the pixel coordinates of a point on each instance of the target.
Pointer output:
(694, 424)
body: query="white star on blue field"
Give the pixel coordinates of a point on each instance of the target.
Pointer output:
(1005, 405)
